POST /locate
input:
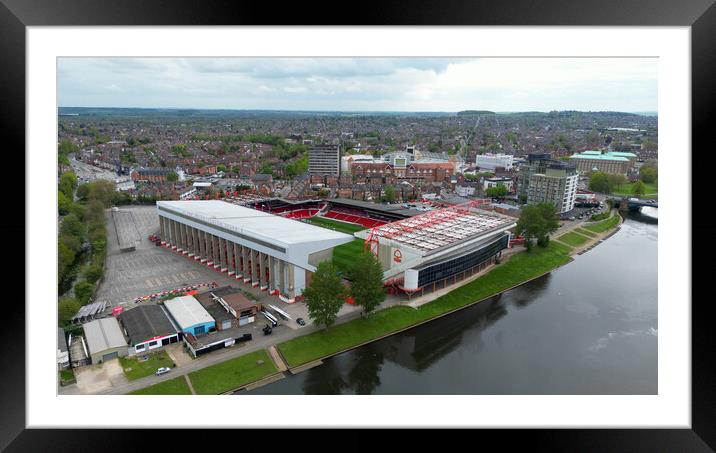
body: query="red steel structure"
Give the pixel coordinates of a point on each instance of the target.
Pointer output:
(417, 228)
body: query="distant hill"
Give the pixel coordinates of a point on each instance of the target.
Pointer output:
(474, 112)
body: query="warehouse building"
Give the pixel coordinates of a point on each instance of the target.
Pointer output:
(105, 340)
(147, 327)
(190, 316)
(269, 251)
(441, 246)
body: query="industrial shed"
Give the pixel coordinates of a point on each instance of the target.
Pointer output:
(148, 327)
(105, 340)
(189, 315)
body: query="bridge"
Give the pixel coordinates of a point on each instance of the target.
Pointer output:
(633, 204)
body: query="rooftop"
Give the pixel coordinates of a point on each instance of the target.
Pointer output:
(596, 155)
(103, 334)
(256, 224)
(61, 339)
(146, 322)
(187, 311)
(429, 232)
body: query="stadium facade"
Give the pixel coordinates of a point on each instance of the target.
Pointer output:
(433, 248)
(269, 251)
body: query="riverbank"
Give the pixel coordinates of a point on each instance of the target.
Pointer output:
(520, 268)
(515, 271)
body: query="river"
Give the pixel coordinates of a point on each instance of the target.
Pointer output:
(589, 327)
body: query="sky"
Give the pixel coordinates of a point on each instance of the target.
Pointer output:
(361, 84)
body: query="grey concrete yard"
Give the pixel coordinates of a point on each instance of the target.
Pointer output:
(149, 269)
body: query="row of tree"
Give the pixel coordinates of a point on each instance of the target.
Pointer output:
(82, 239)
(326, 294)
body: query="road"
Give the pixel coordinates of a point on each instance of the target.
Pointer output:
(280, 334)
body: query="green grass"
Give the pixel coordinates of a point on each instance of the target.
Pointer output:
(519, 268)
(585, 232)
(343, 227)
(176, 386)
(573, 239)
(344, 255)
(232, 374)
(628, 189)
(134, 369)
(604, 225)
(67, 375)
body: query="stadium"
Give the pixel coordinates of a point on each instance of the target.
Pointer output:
(439, 246)
(276, 244)
(272, 252)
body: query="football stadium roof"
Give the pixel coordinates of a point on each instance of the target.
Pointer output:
(253, 223)
(439, 229)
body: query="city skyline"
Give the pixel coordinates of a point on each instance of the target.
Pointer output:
(361, 84)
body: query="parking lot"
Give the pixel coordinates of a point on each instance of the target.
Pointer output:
(149, 269)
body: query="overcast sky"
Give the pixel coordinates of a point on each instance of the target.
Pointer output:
(361, 84)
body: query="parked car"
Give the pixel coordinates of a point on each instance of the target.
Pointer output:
(300, 322)
(162, 370)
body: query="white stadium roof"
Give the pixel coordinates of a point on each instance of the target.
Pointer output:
(257, 224)
(187, 311)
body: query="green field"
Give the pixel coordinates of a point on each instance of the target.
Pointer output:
(573, 239)
(628, 189)
(604, 225)
(518, 269)
(176, 386)
(585, 232)
(343, 227)
(134, 369)
(232, 374)
(345, 254)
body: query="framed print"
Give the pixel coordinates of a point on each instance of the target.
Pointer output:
(423, 218)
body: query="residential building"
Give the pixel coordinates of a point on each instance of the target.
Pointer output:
(489, 183)
(324, 160)
(545, 180)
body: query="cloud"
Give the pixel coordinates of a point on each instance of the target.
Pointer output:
(413, 84)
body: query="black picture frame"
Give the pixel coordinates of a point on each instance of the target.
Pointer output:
(700, 15)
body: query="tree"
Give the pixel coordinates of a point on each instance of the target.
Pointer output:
(366, 276)
(68, 184)
(537, 222)
(599, 182)
(64, 204)
(72, 226)
(221, 167)
(172, 176)
(67, 308)
(93, 273)
(324, 295)
(389, 194)
(548, 213)
(648, 174)
(530, 224)
(639, 188)
(498, 191)
(83, 291)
